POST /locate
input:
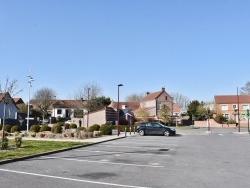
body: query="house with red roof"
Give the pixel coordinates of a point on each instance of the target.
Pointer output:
(153, 102)
(228, 105)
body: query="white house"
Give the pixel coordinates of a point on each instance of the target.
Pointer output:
(10, 108)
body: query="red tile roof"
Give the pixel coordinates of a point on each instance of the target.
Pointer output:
(176, 108)
(227, 99)
(152, 96)
(129, 105)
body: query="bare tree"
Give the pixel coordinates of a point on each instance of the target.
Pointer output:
(134, 97)
(181, 100)
(142, 114)
(246, 89)
(91, 95)
(165, 113)
(10, 86)
(43, 98)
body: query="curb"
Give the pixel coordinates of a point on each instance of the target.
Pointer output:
(53, 152)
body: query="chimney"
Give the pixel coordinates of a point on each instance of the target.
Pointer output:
(163, 88)
(148, 93)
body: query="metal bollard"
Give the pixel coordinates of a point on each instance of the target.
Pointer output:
(125, 132)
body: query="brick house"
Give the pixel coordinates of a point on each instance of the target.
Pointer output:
(153, 102)
(228, 105)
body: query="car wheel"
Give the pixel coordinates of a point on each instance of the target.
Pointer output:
(141, 132)
(166, 133)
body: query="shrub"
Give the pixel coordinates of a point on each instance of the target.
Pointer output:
(33, 134)
(56, 129)
(231, 121)
(219, 118)
(7, 127)
(15, 129)
(106, 129)
(66, 125)
(4, 144)
(73, 126)
(81, 129)
(18, 141)
(60, 123)
(45, 128)
(94, 127)
(35, 128)
(97, 133)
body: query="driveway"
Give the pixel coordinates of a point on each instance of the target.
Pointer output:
(190, 159)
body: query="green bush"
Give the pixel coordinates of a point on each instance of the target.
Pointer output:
(15, 129)
(7, 128)
(60, 123)
(56, 129)
(66, 125)
(35, 128)
(106, 129)
(73, 126)
(4, 144)
(219, 118)
(231, 121)
(45, 128)
(18, 141)
(94, 127)
(80, 129)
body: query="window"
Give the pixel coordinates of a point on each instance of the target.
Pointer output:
(166, 98)
(226, 116)
(234, 106)
(245, 107)
(59, 111)
(224, 107)
(158, 105)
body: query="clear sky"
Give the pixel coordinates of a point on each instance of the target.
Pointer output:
(197, 48)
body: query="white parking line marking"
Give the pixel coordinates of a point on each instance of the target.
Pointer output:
(117, 153)
(70, 179)
(89, 161)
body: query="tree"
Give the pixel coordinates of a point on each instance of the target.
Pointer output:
(10, 86)
(181, 100)
(164, 113)
(197, 109)
(43, 98)
(92, 98)
(246, 89)
(134, 97)
(142, 113)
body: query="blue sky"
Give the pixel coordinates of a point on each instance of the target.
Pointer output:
(194, 47)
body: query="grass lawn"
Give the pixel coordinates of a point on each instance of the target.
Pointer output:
(30, 147)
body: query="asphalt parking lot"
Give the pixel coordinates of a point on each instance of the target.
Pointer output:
(192, 158)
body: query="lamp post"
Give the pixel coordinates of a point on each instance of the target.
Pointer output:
(28, 115)
(88, 110)
(208, 116)
(118, 117)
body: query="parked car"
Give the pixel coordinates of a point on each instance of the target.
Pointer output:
(154, 128)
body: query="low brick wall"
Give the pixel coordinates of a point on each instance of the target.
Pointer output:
(214, 124)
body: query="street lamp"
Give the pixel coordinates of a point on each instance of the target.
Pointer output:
(28, 115)
(88, 110)
(208, 116)
(118, 130)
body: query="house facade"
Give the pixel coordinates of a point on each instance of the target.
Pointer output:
(153, 102)
(228, 106)
(10, 109)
